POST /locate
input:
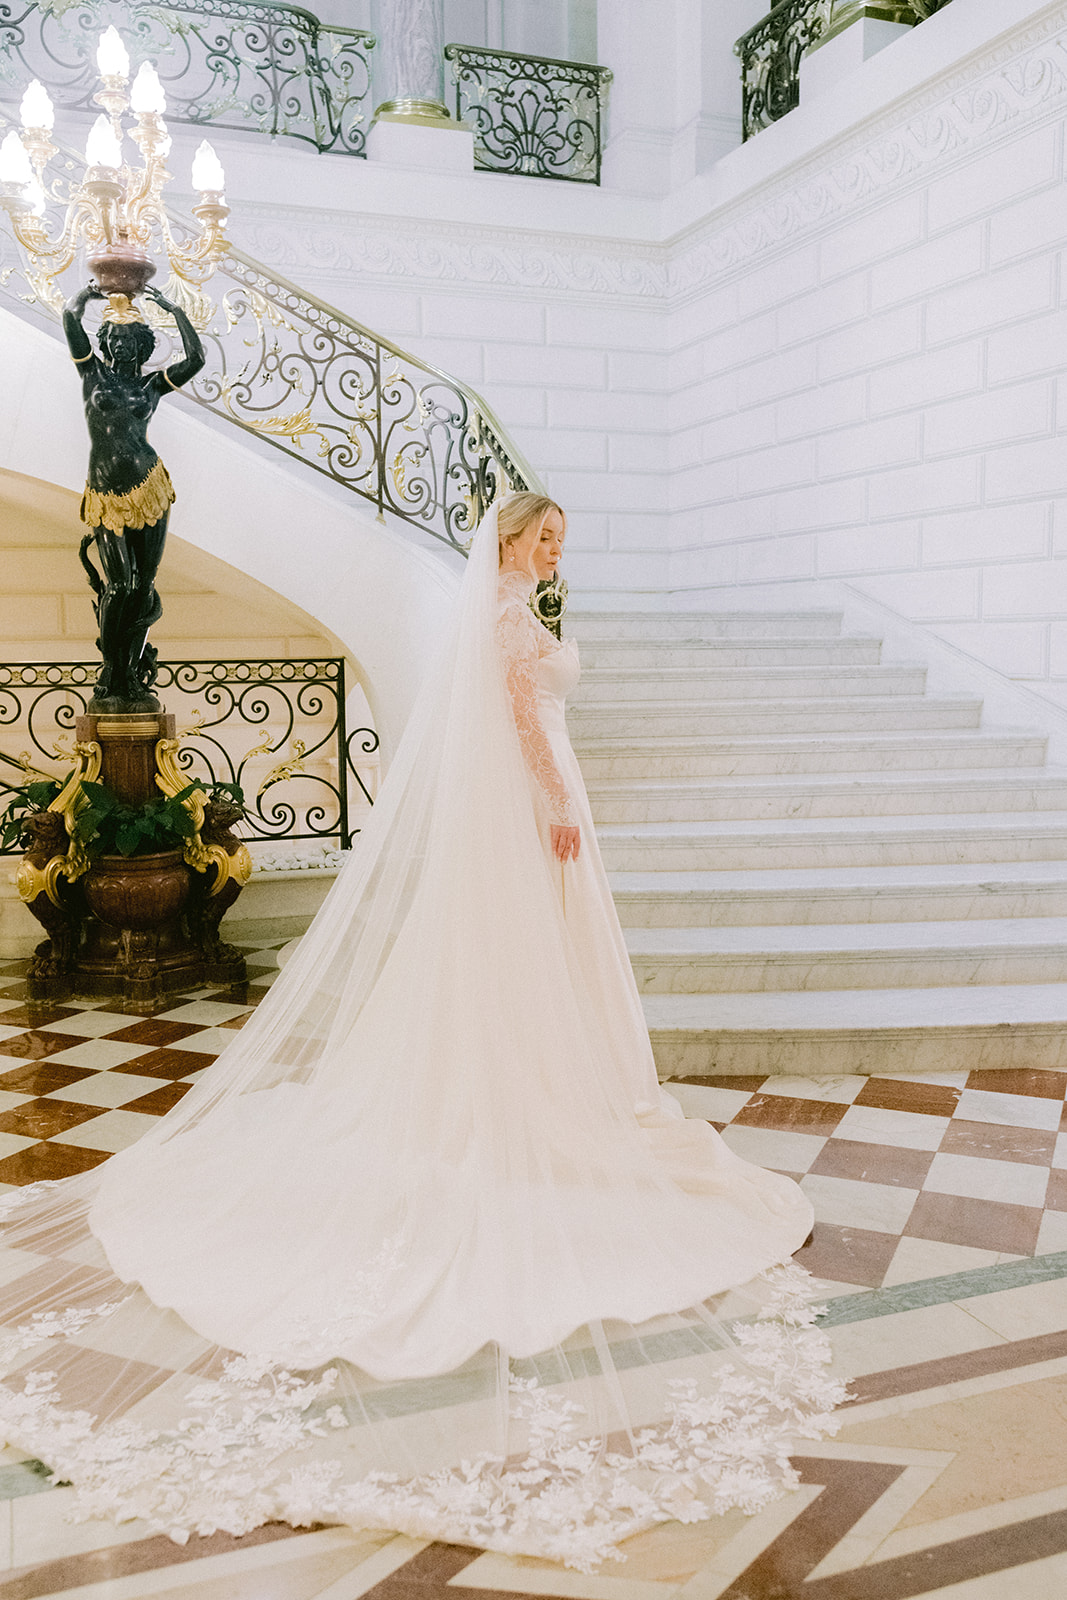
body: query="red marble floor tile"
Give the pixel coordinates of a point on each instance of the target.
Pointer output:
(165, 1063)
(786, 1113)
(781, 1571)
(1021, 1080)
(919, 1375)
(1056, 1193)
(43, 1119)
(54, 1285)
(750, 1084)
(895, 1094)
(155, 1031)
(48, 1160)
(81, 1370)
(127, 1560)
(986, 1224)
(41, 1077)
(848, 1255)
(1034, 1146)
(873, 1163)
(39, 1043)
(17, 989)
(236, 1022)
(35, 1016)
(159, 1101)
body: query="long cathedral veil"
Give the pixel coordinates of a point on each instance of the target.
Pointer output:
(462, 1270)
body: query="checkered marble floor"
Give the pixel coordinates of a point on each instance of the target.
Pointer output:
(941, 1242)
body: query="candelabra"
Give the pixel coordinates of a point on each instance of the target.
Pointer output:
(116, 213)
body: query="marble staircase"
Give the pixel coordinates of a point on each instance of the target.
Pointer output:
(820, 867)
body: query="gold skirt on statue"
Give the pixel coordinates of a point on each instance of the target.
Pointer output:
(139, 507)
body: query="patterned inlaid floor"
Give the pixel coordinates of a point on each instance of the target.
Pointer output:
(941, 1241)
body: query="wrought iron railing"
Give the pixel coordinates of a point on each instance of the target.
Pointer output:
(530, 114)
(258, 65)
(405, 437)
(307, 776)
(771, 52)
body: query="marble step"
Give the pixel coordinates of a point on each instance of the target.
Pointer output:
(892, 955)
(686, 625)
(651, 655)
(662, 759)
(695, 719)
(841, 895)
(603, 687)
(828, 795)
(835, 842)
(846, 1031)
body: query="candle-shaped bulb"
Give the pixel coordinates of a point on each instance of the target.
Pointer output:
(146, 96)
(36, 110)
(14, 162)
(102, 148)
(112, 58)
(208, 176)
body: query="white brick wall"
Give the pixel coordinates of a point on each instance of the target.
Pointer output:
(866, 383)
(892, 400)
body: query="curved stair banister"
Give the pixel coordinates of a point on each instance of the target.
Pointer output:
(407, 438)
(261, 66)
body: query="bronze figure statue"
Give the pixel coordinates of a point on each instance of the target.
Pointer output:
(128, 492)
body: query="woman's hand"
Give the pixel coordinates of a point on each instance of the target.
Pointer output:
(160, 300)
(566, 842)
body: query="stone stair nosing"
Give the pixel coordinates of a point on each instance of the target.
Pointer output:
(819, 867)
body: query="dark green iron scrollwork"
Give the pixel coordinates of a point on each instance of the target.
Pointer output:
(313, 793)
(257, 65)
(771, 52)
(531, 114)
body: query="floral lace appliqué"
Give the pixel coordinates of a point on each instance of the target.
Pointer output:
(520, 637)
(227, 1464)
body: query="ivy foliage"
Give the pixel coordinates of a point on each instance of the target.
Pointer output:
(107, 826)
(24, 802)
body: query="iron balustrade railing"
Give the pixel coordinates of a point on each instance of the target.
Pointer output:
(408, 439)
(403, 435)
(258, 65)
(531, 115)
(771, 52)
(307, 776)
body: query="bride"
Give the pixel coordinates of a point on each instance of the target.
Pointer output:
(428, 1248)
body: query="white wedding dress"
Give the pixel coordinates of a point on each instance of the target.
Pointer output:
(427, 1247)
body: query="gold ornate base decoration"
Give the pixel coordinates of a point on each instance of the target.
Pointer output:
(423, 113)
(136, 928)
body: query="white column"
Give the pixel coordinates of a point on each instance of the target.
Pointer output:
(412, 126)
(409, 61)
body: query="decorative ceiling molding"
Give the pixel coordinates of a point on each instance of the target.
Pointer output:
(990, 96)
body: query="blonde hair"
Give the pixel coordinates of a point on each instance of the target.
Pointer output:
(518, 511)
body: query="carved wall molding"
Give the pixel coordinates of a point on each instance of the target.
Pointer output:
(979, 100)
(990, 96)
(420, 252)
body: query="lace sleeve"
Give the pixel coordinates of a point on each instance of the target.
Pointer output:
(519, 646)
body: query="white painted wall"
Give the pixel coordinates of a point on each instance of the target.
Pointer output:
(877, 396)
